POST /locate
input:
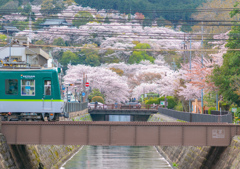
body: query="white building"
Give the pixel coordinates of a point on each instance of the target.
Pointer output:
(20, 51)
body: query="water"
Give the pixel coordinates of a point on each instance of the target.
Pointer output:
(119, 118)
(117, 157)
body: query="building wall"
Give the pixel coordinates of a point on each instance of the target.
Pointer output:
(15, 51)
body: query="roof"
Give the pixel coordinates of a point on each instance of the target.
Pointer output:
(39, 51)
(56, 22)
(11, 28)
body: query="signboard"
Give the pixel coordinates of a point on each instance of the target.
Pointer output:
(83, 94)
(87, 84)
(234, 110)
(218, 133)
(162, 103)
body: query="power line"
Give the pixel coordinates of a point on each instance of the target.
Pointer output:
(117, 49)
(128, 11)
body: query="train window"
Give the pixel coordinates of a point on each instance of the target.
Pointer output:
(11, 86)
(28, 88)
(47, 87)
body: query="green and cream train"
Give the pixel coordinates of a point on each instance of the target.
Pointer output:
(30, 94)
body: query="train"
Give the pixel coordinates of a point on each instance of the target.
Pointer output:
(30, 94)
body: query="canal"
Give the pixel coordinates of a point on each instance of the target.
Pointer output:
(124, 157)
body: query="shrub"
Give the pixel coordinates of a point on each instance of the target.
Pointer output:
(151, 101)
(210, 109)
(172, 101)
(179, 107)
(98, 99)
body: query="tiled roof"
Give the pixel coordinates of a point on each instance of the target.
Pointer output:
(11, 28)
(56, 22)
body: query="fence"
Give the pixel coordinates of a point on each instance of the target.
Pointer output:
(192, 117)
(73, 107)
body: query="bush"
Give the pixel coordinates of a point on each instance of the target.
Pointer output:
(179, 107)
(151, 101)
(97, 99)
(210, 109)
(172, 101)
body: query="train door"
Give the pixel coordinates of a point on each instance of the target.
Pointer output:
(47, 94)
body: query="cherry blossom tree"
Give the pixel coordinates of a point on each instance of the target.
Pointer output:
(113, 86)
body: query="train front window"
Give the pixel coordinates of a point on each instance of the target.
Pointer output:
(28, 88)
(11, 86)
(47, 87)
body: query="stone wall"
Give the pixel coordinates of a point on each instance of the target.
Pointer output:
(203, 157)
(38, 156)
(6, 159)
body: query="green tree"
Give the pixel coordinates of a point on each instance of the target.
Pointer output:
(91, 55)
(138, 56)
(107, 20)
(68, 57)
(82, 18)
(98, 99)
(50, 7)
(227, 77)
(95, 92)
(59, 42)
(93, 60)
(147, 22)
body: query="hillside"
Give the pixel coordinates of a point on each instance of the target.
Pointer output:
(150, 8)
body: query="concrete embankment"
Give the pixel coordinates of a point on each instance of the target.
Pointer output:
(38, 156)
(204, 157)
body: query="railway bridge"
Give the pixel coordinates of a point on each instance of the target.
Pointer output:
(120, 133)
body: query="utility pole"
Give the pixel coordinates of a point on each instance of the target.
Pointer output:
(184, 52)
(202, 67)
(190, 67)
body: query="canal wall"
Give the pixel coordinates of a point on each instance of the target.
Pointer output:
(204, 157)
(39, 156)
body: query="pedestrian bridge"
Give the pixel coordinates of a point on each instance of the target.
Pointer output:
(120, 133)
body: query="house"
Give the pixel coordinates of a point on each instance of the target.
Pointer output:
(20, 51)
(55, 22)
(9, 30)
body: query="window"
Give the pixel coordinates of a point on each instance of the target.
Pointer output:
(11, 86)
(47, 87)
(28, 87)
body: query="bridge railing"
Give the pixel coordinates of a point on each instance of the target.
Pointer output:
(122, 106)
(73, 107)
(193, 117)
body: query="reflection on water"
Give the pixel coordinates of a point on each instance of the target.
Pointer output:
(117, 157)
(119, 117)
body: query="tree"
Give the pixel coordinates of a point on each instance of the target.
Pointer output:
(82, 18)
(59, 42)
(227, 77)
(95, 92)
(50, 7)
(98, 99)
(69, 57)
(112, 86)
(93, 60)
(147, 22)
(91, 55)
(107, 20)
(138, 56)
(140, 17)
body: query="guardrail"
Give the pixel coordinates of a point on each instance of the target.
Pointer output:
(73, 107)
(193, 117)
(122, 106)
